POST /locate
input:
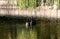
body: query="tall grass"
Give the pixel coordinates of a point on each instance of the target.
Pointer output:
(25, 4)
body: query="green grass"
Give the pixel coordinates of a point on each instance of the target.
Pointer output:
(26, 4)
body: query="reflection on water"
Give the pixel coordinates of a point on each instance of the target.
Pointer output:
(27, 34)
(43, 30)
(24, 33)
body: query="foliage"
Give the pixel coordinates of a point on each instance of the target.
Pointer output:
(24, 4)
